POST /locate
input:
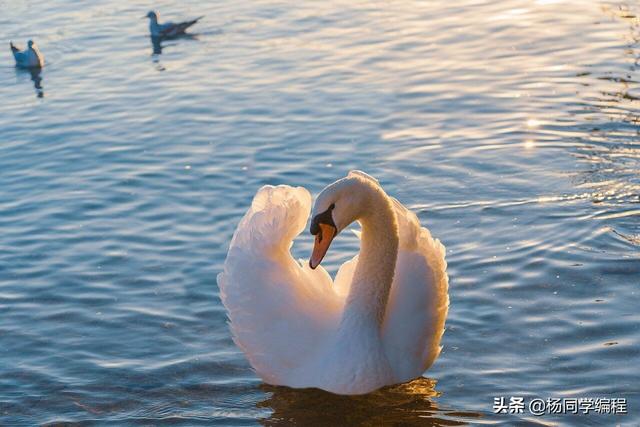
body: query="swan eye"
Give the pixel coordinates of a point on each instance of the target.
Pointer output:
(323, 218)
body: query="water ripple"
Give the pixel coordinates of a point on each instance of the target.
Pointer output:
(510, 127)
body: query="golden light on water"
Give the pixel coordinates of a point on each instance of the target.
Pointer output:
(529, 143)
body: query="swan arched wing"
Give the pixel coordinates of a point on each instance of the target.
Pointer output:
(418, 300)
(363, 175)
(278, 308)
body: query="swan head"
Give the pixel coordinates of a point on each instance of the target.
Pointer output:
(337, 206)
(153, 15)
(31, 44)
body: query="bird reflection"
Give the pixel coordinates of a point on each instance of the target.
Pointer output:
(156, 43)
(157, 46)
(36, 78)
(405, 404)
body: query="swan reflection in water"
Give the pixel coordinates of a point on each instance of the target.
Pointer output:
(405, 404)
(36, 78)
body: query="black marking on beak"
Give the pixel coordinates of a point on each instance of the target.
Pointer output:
(322, 218)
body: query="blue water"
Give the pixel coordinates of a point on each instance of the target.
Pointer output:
(510, 127)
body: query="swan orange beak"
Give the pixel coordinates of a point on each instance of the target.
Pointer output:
(324, 237)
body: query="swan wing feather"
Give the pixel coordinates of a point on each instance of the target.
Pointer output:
(277, 307)
(418, 300)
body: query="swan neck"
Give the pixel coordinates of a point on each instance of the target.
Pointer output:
(369, 293)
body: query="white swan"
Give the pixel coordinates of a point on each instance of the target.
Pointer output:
(379, 323)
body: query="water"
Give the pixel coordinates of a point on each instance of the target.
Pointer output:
(510, 127)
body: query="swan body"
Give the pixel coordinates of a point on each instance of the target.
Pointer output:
(378, 323)
(31, 57)
(168, 29)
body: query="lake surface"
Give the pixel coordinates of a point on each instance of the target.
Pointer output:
(512, 128)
